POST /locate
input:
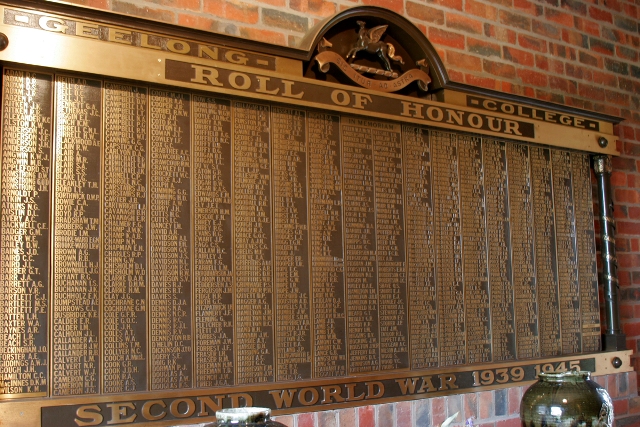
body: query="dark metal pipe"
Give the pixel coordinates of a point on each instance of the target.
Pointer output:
(613, 338)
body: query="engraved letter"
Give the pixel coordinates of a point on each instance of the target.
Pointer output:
(203, 73)
(87, 412)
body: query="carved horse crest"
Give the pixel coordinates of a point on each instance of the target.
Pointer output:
(369, 41)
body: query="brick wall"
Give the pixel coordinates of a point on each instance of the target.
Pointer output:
(494, 408)
(583, 53)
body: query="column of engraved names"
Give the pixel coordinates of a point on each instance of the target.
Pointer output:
(545, 252)
(498, 242)
(585, 237)
(390, 245)
(524, 275)
(170, 275)
(449, 268)
(420, 248)
(568, 284)
(327, 255)
(291, 256)
(360, 240)
(24, 231)
(213, 263)
(124, 270)
(252, 244)
(474, 247)
(76, 243)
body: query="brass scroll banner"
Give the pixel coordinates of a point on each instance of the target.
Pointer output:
(328, 57)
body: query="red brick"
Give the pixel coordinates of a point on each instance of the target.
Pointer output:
(499, 69)
(456, 76)
(601, 46)
(306, 420)
(600, 15)
(198, 22)
(366, 416)
(617, 97)
(620, 407)
(591, 60)
(627, 227)
(449, 4)
(284, 20)
(587, 26)
(627, 196)
(272, 2)
(632, 148)
(575, 38)
(347, 417)
(591, 92)
(446, 38)
(385, 414)
(485, 82)
(98, 4)
(327, 418)
(630, 261)
(512, 422)
(612, 386)
(614, 5)
(627, 53)
(394, 5)
(131, 9)
(486, 405)
(621, 163)
(532, 43)
(634, 403)
(470, 406)
(404, 414)
(284, 419)
(626, 312)
(549, 96)
(317, 7)
(234, 11)
(559, 17)
(528, 7)
(481, 10)
(500, 33)
(605, 79)
(542, 62)
(515, 20)
(556, 66)
(193, 5)
(425, 13)
(562, 51)
(464, 61)
(482, 47)
(263, 35)
(547, 29)
(518, 56)
(514, 400)
(438, 410)
(533, 78)
(618, 179)
(464, 23)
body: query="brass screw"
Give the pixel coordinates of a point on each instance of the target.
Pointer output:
(4, 41)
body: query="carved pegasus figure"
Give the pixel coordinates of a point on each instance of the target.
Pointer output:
(369, 41)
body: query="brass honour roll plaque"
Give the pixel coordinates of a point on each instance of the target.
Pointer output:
(223, 238)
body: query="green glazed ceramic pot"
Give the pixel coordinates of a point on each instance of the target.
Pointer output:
(566, 399)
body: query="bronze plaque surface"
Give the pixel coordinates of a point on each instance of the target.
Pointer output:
(157, 241)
